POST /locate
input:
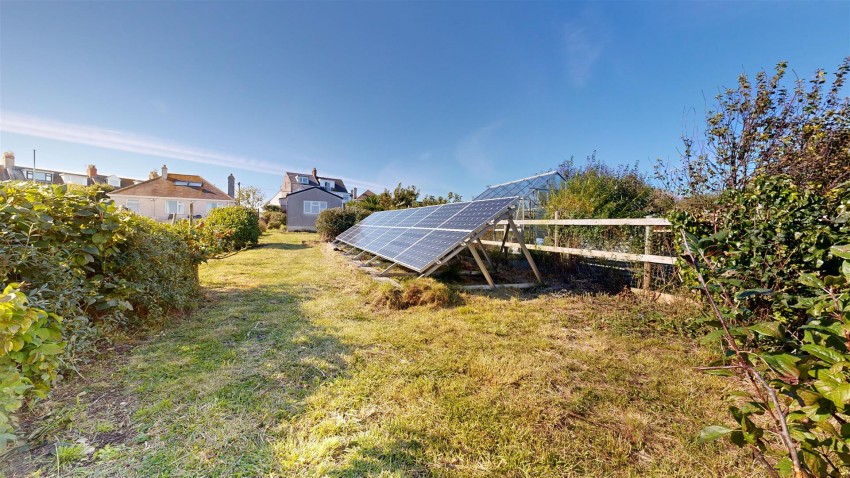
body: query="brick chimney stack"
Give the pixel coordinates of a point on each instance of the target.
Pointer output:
(8, 160)
(164, 172)
(231, 186)
(91, 170)
(315, 174)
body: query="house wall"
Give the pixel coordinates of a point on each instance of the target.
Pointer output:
(296, 220)
(156, 208)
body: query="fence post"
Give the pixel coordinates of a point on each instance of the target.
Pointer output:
(556, 229)
(647, 266)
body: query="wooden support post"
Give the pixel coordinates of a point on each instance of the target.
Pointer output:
(484, 252)
(391, 267)
(191, 212)
(481, 265)
(647, 266)
(556, 230)
(525, 252)
(504, 239)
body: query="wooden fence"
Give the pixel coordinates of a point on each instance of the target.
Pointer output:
(652, 225)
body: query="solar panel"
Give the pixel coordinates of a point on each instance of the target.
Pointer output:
(417, 238)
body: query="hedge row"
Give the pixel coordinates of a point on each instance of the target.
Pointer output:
(74, 269)
(333, 222)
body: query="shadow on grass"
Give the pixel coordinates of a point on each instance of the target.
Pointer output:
(283, 246)
(248, 362)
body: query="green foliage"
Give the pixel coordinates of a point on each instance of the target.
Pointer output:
(160, 262)
(240, 225)
(274, 219)
(776, 260)
(332, 222)
(250, 197)
(598, 191)
(29, 356)
(95, 191)
(272, 208)
(401, 198)
(763, 128)
(78, 257)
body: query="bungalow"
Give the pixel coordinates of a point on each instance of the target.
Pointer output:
(169, 196)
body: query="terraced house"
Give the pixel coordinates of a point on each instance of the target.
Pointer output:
(169, 196)
(9, 171)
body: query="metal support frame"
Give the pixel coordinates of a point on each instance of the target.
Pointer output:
(525, 252)
(370, 261)
(502, 248)
(472, 248)
(358, 255)
(383, 273)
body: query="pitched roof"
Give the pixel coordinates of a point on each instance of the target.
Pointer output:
(20, 173)
(314, 187)
(313, 181)
(366, 193)
(168, 187)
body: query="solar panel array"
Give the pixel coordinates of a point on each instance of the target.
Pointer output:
(417, 238)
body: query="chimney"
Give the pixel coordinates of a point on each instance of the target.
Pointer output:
(315, 175)
(8, 160)
(353, 193)
(164, 172)
(231, 186)
(91, 170)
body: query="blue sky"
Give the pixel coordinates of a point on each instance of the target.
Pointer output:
(449, 96)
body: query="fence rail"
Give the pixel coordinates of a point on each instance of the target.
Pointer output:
(644, 221)
(652, 226)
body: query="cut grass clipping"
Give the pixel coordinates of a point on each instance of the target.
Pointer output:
(413, 293)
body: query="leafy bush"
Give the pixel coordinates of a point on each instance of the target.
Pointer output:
(31, 344)
(274, 219)
(77, 257)
(775, 263)
(160, 265)
(240, 224)
(333, 222)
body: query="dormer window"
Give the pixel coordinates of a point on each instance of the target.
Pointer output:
(328, 185)
(114, 181)
(303, 180)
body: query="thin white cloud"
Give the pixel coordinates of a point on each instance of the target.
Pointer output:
(133, 143)
(584, 41)
(471, 151)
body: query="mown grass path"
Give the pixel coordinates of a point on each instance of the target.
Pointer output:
(288, 371)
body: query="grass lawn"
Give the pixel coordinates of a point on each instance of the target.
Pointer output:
(288, 371)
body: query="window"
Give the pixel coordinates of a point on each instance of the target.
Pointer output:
(174, 207)
(213, 205)
(40, 176)
(303, 180)
(328, 185)
(114, 181)
(314, 207)
(133, 205)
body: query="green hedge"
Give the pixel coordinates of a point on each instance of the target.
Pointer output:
(333, 222)
(242, 223)
(74, 269)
